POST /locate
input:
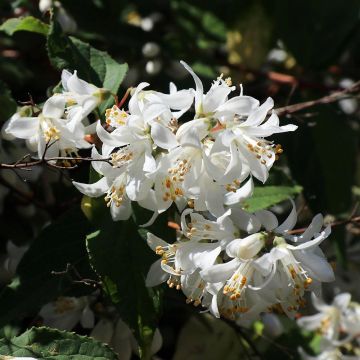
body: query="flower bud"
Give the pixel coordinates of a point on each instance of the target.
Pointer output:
(248, 247)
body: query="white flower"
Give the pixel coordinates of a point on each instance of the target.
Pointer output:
(331, 318)
(329, 353)
(290, 270)
(65, 312)
(49, 129)
(179, 258)
(215, 104)
(200, 228)
(81, 97)
(256, 153)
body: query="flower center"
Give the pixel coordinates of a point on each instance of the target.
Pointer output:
(121, 157)
(115, 117)
(115, 195)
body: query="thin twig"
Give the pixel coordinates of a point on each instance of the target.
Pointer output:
(352, 220)
(336, 96)
(48, 161)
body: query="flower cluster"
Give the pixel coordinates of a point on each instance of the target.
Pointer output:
(201, 163)
(59, 128)
(242, 264)
(339, 327)
(234, 263)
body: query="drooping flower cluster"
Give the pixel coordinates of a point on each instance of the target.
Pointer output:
(201, 163)
(147, 157)
(339, 326)
(236, 264)
(243, 264)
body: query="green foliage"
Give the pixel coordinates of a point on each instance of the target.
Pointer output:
(45, 344)
(266, 196)
(93, 65)
(28, 23)
(58, 244)
(121, 258)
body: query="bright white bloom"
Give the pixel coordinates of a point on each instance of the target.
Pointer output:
(117, 185)
(240, 277)
(49, 130)
(81, 97)
(256, 153)
(65, 312)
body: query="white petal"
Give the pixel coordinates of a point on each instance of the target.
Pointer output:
(65, 76)
(316, 266)
(54, 107)
(240, 105)
(245, 221)
(76, 85)
(163, 137)
(154, 241)
(241, 194)
(199, 86)
(312, 322)
(215, 97)
(342, 301)
(93, 190)
(156, 275)
(220, 272)
(267, 219)
(23, 127)
(312, 243)
(290, 221)
(314, 228)
(122, 212)
(257, 116)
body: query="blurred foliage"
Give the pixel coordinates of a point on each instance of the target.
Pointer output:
(45, 343)
(293, 51)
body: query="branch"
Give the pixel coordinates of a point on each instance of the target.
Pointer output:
(49, 162)
(336, 96)
(351, 220)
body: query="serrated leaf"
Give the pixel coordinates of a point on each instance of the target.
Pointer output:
(28, 23)
(60, 243)
(7, 103)
(94, 66)
(45, 344)
(266, 196)
(121, 258)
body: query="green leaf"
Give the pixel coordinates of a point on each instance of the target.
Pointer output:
(44, 343)
(94, 66)
(266, 196)
(28, 23)
(7, 103)
(121, 258)
(58, 244)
